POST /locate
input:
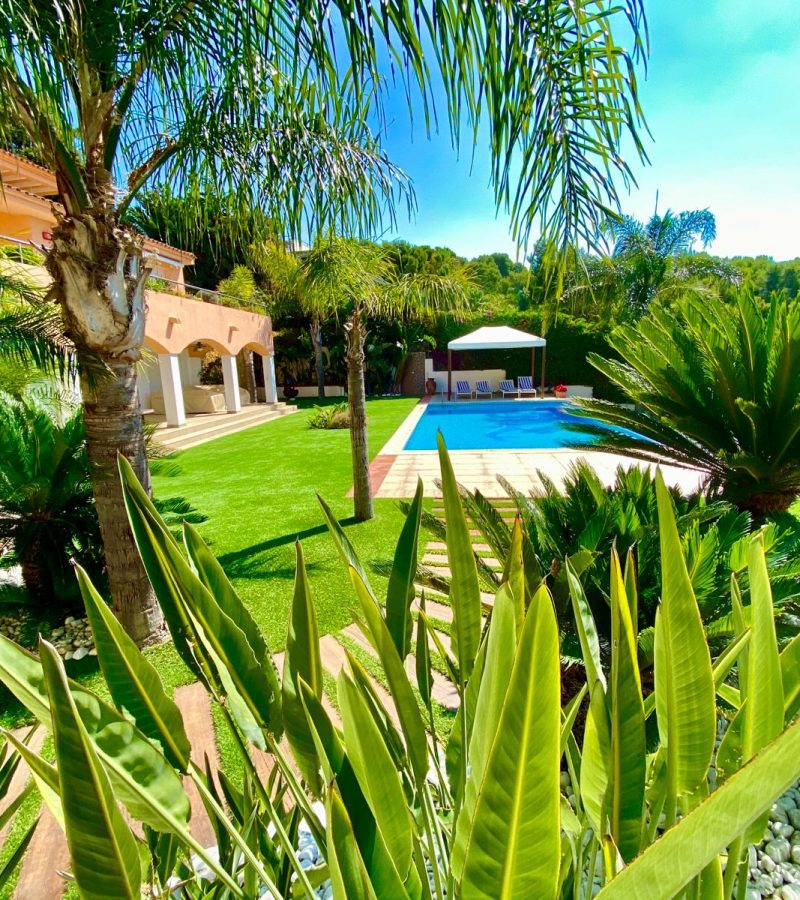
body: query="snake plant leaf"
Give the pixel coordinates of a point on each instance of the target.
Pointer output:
(376, 773)
(105, 859)
(764, 690)
(219, 648)
(585, 624)
(405, 702)
(349, 877)
(133, 682)
(422, 661)
(400, 591)
(337, 768)
(455, 758)
(44, 774)
(346, 550)
(213, 576)
(790, 673)
(145, 782)
(302, 660)
(465, 597)
(517, 806)
(686, 849)
(628, 748)
(496, 676)
(514, 573)
(684, 682)
(596, 761)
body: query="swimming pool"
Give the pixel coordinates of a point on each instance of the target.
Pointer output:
(496, 425)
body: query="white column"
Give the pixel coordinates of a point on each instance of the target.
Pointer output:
(171, 389)
(230, 378)
(270, 385)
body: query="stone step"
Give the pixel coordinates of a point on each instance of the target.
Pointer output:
(176, 439)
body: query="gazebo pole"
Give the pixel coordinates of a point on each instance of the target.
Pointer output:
(533, 365)
(449, 373)
(544, 358)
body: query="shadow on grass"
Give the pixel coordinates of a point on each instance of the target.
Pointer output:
(244, 564)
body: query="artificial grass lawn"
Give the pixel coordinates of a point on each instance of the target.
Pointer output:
(258, 489)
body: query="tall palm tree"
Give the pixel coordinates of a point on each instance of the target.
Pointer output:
(265, 103)
(646, 261)
(284, 277)
(359, 280)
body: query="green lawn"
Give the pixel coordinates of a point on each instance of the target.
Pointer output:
(258, 489)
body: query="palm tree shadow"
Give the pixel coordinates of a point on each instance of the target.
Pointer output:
(249, 562)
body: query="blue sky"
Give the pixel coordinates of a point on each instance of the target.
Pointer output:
(722, 100)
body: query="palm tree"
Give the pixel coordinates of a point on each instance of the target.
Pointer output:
(266, 105)
(649, 260)
(283, 276)
(31, 332)
(359, 280)
(715, 387)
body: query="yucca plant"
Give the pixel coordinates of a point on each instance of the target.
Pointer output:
(406, 812)
(714, 386)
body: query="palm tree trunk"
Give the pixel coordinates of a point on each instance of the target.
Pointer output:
(316, 340)
(356, 401)
(113, 423)
(99, 282)
(34, 573)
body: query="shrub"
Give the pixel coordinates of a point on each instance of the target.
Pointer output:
(407, 814)
(336, 415)
(582, 521)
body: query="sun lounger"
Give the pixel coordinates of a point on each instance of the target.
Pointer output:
(507, 387)
(463, 389)
(483, 389)
(525, 383)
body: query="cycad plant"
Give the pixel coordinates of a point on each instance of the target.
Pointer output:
(583, 520)
(405, 810)
(47, 515)
(715, 387)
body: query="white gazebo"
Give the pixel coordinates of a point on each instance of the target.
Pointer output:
(495, 337)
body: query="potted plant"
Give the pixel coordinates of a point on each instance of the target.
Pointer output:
(561, 391)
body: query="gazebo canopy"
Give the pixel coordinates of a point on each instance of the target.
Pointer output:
(496, 337)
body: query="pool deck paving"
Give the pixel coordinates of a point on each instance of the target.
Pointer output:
(395, 470)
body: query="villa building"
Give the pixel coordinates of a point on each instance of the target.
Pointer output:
(183, 324)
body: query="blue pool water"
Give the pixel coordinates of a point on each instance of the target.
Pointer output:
(495, 425)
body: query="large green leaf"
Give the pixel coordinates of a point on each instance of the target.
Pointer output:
(144, 780)
(346, 550)
(422, 661)
(465, 597)
(514, 847)
(497, 669)
(349, 877)
(400, 591)
(790, 672)
(302, 660)
(132, 680)
(217, 646)
(102, 848)
(628, 756)
(764, 689)
(213, 576)
(405, 702)
(684, 682)
(514, 572)
(376, 773)
(685, 850)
